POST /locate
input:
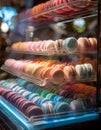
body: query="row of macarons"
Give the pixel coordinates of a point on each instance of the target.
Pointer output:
(28, 108)
(54, 3)
(36, 90)
(80, 90)
(61, 7)
(60, 46)
(68, 90)
(47, 101)
(53, 70)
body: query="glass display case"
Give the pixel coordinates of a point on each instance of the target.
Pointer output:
(55, 67)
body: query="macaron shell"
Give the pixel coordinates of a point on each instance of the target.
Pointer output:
(93, 42)
(33, 111)
(26, 105)
(47, 107)
(61, 107)
(77, 106)
(57, 76)
(69, 72)
(70, 45)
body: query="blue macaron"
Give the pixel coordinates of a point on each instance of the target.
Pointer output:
(42, 100)
(70, 45)
(48, 107)
(61, 107)
(77, 106)
(31, 96)
(30, 87)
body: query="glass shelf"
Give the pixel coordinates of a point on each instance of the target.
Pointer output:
(46, 82)
(24, 76)
(51, 52)
(78, 8)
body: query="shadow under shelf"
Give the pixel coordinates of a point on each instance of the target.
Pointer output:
(52, 52)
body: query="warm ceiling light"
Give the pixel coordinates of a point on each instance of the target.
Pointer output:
(79, 25)
(4, 27)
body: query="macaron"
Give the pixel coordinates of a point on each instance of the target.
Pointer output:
(51, 96)
(2, 82)
(47, 107)
(22, 91)
(9, 62)
(31, 96)
(38, 90)
(12, 85)
(17, 96)
(68, 100)
(16, 88)
(37, 70)
(90, 102)
(83, 44)
(81, 71)
(44, 93)
(23, 106)
(26, 94)
(64, 93)
(58, 46)
(9, 95)
(42, 100)
(28, 68)
(22, 82)
(6, 92)
(87, 43)
(2, 91)
(69, 72)
(45, 72)
(89, 68)
(36, 99)
(70, 45)
(57, 98)
(77, 106)
(33, 111)
(11, 98)
(30, 87)
(93, 42)
(61, 107)
(20, 102)
(57, 76)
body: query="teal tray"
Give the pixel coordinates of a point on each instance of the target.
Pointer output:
(44, 122)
